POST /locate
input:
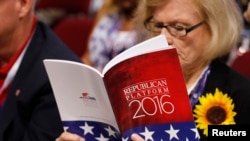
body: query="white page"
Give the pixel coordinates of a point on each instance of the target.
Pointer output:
(68, 91)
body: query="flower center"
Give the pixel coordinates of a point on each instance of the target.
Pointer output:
(216, 115)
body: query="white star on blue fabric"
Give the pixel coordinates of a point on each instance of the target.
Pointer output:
(65, 128)
(124, 139)
(110, 131)
(102, 138)
(147, 134)
(87, 129)
(172, 133)
(197, 135)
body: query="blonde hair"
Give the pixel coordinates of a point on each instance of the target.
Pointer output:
(223, 18)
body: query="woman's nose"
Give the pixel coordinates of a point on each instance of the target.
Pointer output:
(168, 36)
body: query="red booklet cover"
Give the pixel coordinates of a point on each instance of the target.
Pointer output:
(141, 91)
(148, 92)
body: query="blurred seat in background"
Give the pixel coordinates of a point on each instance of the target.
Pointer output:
(242, 64)
(52, 11)
(71, 6)
(75, 32)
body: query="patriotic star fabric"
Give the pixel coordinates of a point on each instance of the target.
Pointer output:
(93, 131)
(166, 132)
(96, 131)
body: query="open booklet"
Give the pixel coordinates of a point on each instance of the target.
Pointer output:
(142, 90)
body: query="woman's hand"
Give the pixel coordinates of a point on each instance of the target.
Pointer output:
(66, 136)
(136, 137)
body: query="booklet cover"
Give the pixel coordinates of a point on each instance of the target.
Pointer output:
(142, 91)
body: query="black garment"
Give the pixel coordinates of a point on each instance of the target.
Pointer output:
(33, 115)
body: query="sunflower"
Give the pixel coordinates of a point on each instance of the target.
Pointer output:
(214, 108)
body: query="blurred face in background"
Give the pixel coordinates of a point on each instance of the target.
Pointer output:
(127, 7)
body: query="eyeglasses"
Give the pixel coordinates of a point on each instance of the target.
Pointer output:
(174, 30)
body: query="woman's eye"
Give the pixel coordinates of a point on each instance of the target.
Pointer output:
(179, 28)
(159, 25)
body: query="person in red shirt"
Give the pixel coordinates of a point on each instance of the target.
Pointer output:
(28, 110)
